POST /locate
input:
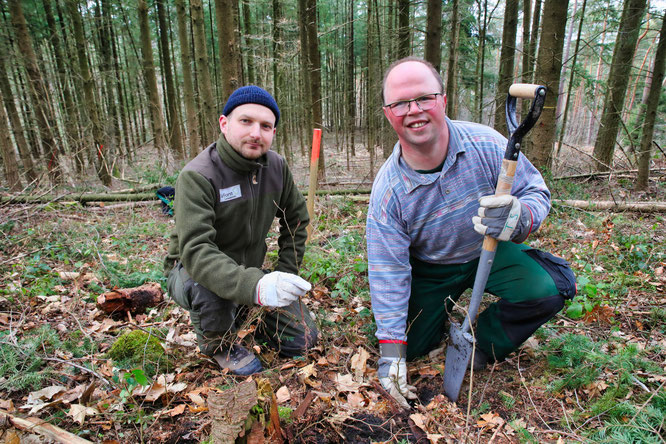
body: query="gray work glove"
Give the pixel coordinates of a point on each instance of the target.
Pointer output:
(279, 289)
(503, 217)
(392, 375)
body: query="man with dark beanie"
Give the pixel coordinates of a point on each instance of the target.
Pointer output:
(226, 201)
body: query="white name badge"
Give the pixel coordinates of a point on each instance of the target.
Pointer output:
(230, 193)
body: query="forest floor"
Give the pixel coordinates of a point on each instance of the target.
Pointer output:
(595, 373)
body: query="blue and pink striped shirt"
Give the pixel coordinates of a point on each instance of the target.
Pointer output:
(429, 216)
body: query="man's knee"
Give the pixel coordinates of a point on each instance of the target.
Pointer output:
(301, 342)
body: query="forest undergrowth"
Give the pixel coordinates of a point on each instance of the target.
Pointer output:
(595, 373)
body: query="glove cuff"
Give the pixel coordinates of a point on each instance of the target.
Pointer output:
(393, 349)
(524, 227)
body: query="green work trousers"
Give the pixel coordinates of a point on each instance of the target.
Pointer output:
(531, 286)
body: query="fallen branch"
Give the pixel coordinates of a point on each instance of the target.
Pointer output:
(608, 205)
(40, 427)
(604, 173)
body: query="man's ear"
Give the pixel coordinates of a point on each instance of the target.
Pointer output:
(444, 96)
(223, 124)
(386, 111)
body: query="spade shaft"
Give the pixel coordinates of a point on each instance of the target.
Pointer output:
(461, 339)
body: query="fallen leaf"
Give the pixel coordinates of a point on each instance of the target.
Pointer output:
(79, 412)
(356, 400)
(283, 395)
(428, 371)
(346, 383)
(434, 437)
(196, 398)
(8, 405)
(46, 393)
(179, 409)
(420, 420)
(358, 362)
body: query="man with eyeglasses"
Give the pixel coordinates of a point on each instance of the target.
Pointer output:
(431, 203)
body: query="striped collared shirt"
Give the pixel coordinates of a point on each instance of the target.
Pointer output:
(429, 216)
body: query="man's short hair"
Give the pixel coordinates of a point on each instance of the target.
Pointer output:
(438, 77)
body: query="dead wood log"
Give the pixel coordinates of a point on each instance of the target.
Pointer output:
(609, 205)
(40, 427)
(135, 300)
(605, 173)
(229, 409)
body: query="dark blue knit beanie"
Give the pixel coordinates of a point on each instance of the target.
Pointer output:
(251, 94)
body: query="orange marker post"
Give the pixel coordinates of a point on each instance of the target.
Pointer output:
(314, 169)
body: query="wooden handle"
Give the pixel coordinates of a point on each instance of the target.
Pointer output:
(523, 90)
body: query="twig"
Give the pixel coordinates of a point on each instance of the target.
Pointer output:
(80, 367)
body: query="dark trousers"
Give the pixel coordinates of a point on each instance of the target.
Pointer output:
(290, 330)
(531, 287)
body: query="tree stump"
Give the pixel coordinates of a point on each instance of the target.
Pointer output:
(229, 410)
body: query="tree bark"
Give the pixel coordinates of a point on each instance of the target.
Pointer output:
(651, 110)
(314, 65)
(404, 45)
(507, 56)
(111, 130)
(175, 136)
(148, 63)
(90, 102)
(209, 115)
(534, 38)
(451, 71)
(563, 127)
(618, 79)
(549, 67)
(228, 47)
(188, 90)
(15, 121)
(8, 157)
(38, 93)
(70, 117)
(433, 40)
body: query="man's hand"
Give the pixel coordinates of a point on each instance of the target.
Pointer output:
(392, 375)
(279, 289)
(502, 217)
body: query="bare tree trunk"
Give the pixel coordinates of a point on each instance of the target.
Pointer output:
(597, 79)
(207, 109)
(9, 163)
(618, 79)
(15, 121)
(507, 56)
(651, 110)
(451, 71)
(175, 137)
(70, 118)
(534, 38)
(91, 105)
(249, 52)
(228, 47)
(433, 40)
(549, 68)
(156, 120)
(565, 59)
(563, 127)
(37, 89)
(351, 85)
(314, 64)
(404, 46)
(188, 90)
(112, 131)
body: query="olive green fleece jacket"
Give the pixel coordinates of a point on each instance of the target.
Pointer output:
(224, 207)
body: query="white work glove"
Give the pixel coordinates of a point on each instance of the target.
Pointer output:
(392, 375)
(279, 289)
(502, 217)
